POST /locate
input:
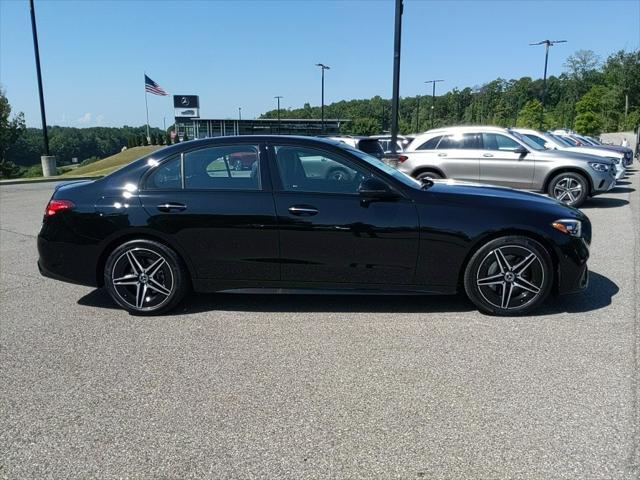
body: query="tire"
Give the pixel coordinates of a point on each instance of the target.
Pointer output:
(569, 188)
(432, 175)
(338, 175)
(508, 276)
(145, 277)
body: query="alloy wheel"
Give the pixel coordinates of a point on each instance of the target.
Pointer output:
(567, 190)
(143, 279)
(510, 277)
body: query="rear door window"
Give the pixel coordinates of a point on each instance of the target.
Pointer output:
(495, 141)
(464, 141)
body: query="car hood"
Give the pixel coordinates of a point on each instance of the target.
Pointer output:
(571, 155)
(500, 197)
(598, 152)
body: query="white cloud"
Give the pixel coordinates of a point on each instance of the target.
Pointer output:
(99, 119)
(85, 119)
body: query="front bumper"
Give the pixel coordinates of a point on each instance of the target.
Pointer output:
(573, 273)
(602, 181)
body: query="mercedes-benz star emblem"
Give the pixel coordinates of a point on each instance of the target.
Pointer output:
(184, 101)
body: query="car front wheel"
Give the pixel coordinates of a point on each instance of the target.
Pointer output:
(511, 275)
(569, 188)
(145, 277)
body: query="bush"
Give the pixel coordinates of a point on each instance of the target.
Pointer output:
(88, 161)
(33, 171)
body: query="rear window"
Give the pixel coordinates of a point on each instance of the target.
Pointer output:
(372, 147)
(430, 144)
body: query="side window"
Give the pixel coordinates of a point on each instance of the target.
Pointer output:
(430, 144)
(166, 176)
(222, 168)
(309, 170)
(460, 141)
(538, 140)
(495, 141)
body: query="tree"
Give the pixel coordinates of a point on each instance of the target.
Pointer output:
(143, 140)
(361, 126)
(530, 115)
(167, 138)
(11, 129)
(587, 123)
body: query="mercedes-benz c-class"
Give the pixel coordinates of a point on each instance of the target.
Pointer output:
(305, 214)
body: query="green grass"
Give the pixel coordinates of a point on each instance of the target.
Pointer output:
(109, 164)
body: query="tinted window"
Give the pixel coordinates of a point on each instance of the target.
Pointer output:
(460, 141)
(495, 141)
(539, 141)
(220, 168)
(430, 144)
(309, 170)
(371, 147)
(166, 176)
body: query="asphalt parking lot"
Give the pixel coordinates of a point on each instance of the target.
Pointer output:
(250, 386)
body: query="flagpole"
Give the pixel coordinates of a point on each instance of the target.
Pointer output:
(146, 104)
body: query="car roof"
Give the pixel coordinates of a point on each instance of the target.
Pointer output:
(419, 139)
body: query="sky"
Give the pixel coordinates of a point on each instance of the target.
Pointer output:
(243, 53)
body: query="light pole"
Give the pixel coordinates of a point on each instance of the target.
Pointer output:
(278, 97)
(547, 44)
(239, 113)
(395, 94)
(36, 51)
(323, 68)
(433, 98)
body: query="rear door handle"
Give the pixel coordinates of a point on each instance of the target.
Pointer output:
(442, 154)
(171, 207)
(487, 154)
(303, 210)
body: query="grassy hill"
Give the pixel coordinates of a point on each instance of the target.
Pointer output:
(109, 164)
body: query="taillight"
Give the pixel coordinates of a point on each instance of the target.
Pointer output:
(55, 206)
(402, 158)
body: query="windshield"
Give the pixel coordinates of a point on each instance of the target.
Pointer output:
(559, 139)
(380, 165)
(527, 141)
(570, 141)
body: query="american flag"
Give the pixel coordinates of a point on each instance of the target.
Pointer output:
(152, 87)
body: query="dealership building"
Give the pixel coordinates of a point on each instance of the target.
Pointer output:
(188, 123)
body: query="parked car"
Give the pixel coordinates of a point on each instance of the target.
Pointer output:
(500, 156)
(580, 141)
(550, 141)
(385, 141)
(170, 222)
(366, 144)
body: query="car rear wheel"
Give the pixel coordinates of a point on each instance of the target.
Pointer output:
(569, 188)
(145, 277)
(428, 175)
(510, 275)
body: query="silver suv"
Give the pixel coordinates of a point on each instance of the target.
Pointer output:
(501, 156)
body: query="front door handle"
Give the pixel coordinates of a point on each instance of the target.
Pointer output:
(442, 154)
(303, 210)
(171, 207)
(487, 154)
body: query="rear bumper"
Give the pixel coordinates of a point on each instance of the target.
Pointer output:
(67, 262)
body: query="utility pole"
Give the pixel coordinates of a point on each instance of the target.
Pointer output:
(239, 113)
(433, 99)
(36, 51)
(323, 68)
(278, 97)
(395, 97)
(547, 44)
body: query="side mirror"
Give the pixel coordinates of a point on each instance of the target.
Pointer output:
(374, 188)
(521, 150)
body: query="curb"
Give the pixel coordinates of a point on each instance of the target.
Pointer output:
(20, 181)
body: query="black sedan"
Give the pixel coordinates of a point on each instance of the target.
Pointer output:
(307, 215)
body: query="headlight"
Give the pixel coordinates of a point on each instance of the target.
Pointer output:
(615, 160)
(569, 227)
(599, 167)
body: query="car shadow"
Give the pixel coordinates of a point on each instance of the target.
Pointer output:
(618, 189)
(598, 295)
(604, 202)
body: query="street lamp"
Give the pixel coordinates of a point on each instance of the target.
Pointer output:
(239, 113)
(278, 97)
(323, 68)
(395, 92)
(547, 44)
(433, 97)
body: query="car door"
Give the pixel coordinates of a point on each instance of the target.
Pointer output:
(458, 154)
(220, 213)
(502, 164)
(329, 234)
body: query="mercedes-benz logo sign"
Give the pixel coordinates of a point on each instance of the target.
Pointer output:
(184, 101)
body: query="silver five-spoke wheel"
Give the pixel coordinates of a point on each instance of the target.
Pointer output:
(567, 190)
(510, 277)
(142, 279)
